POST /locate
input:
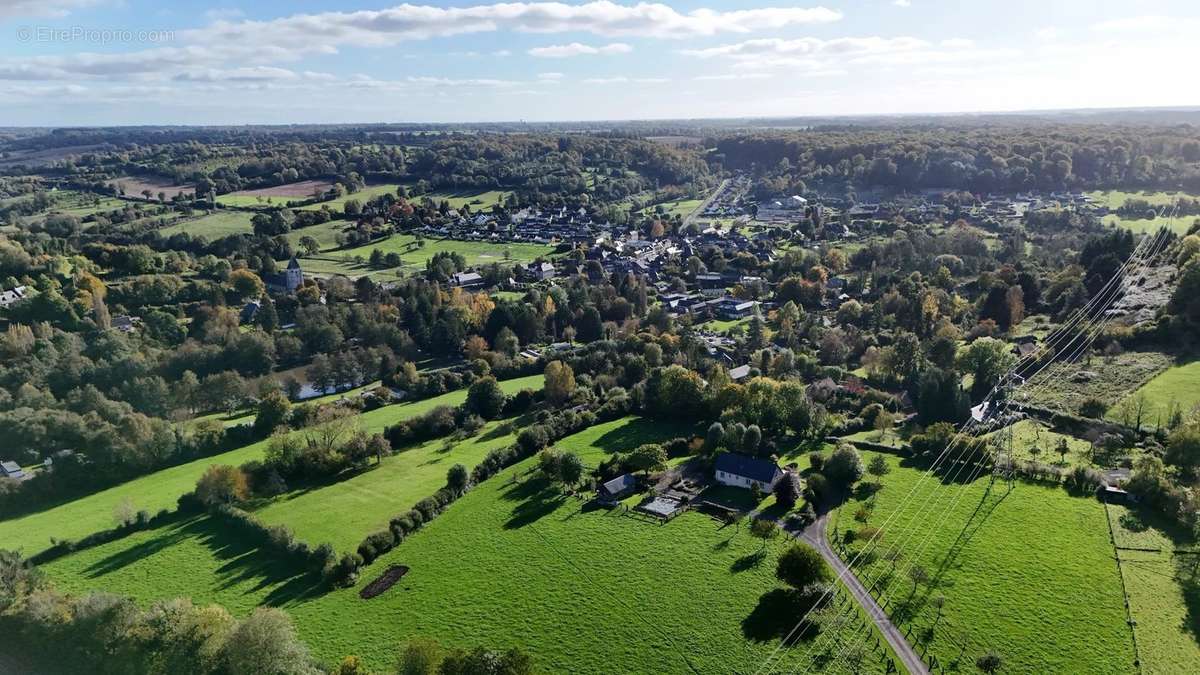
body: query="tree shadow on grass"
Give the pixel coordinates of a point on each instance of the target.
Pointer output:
(629, 436)
(748, 562)
(241, 561)
(172, 535)
(774, 618)
(537, 499)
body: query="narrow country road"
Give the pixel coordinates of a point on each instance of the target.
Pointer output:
(815, 535)
(704, 205)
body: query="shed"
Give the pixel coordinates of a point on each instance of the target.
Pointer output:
(12, 470)
(616, 489)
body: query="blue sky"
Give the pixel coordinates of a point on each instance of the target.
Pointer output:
(87, 62)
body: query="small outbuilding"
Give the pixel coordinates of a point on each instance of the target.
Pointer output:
(12, 470)
(616, 489)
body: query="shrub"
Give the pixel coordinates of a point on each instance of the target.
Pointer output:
(1084, 479)
(1094, 408)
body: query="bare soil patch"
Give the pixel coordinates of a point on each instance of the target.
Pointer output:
(134, 185)
(304, 188)
(385, 581)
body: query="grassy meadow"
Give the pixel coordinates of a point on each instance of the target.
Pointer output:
(680, 207)
(1163, 588)
(512, 563)
(161, 489)
(344, 512)
(1175, 386)
(475, 252)
(1028, 574)
(362, 196)
(213, 225)
(1114, 199)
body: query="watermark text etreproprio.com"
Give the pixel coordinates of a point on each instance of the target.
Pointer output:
(83, 34)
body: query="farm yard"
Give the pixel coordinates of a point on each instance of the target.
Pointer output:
(1048, 600)
(586, 570)
(279, 195)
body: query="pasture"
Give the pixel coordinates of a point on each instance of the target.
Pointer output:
(681, 208)
(1176, 388)
(477, 200)
(325, 233)
(565, 569)
(1162, 587)
(343, 512)
(1029, 434)
(362, 196)
(160, 490)
(1028, 574)
(1114, 199)
(475, 252)
(213, 225)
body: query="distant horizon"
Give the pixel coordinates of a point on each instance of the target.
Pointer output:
(1184, 108)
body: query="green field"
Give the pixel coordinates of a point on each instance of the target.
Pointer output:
(1028, 574)
(681, 208)
(1162, 588)
(475, 252)
(1028, 434)
(325, 234)
(1177, 385)
(478, 201)
(92, 513)
(362, 196)
(328, 265)
(1114, 199)
(511, 563)
(213, 225)
(83, 204)
(161, 489)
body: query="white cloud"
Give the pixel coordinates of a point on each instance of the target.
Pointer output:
(253, 74)
(753, 49)
(579, 49)
(235, 43)
(219, 13)
(50, 8)
(550, 77)
(1046, 34)
(902, 3)
(957, 43)
(621, 79)
(502, 53)
(724, 77)
(1135, 23)
(419, 22)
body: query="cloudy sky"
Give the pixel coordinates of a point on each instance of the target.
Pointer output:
(85, 62)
